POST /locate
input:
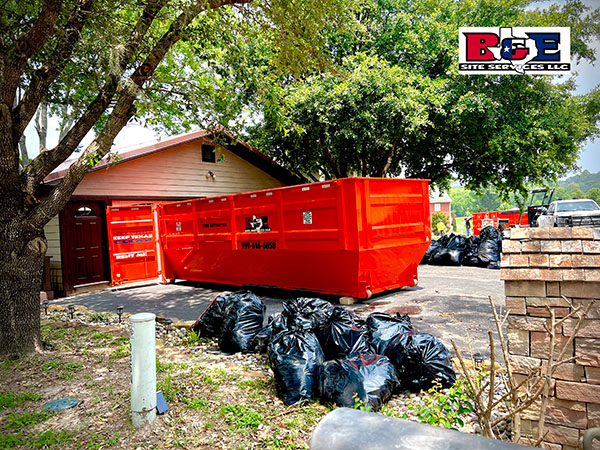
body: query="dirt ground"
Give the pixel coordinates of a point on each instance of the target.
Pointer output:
(216, 400)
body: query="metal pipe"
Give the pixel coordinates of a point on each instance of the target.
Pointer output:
(142, 338)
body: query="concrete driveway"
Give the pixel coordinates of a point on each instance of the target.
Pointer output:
(449, 302)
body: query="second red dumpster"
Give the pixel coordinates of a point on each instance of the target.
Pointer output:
(352, 236)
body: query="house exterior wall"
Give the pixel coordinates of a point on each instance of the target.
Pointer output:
(52, 232)
(179, 173)
(443, 207)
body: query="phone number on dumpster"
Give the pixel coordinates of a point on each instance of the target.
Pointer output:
(255, 245)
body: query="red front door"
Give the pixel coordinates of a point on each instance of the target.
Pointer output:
(84, 244)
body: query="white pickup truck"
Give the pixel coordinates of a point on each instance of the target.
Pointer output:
(570, 213)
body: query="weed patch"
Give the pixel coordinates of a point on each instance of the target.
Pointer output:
(197, 403)
(10, 399)
(241, 416)
(120, 352)
(98, 317)
(98, 442)
(66, 371)
(102, 336)
(52, 439)
(16, 421)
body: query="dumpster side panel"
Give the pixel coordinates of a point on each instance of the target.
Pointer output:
(483, 219)
(294, 238)
(132, 243)
(398, 232)
(330, 237)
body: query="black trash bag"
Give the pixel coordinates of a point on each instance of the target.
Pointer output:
(342, 332)
(383, 328)
(455, 256)
(297, 362)
(472, 250)
(490, 245)
(443, 240)
(260, 342)
(456, 241)
(304, 313)
(420, 359)
(447, 257)
(440, 257)
(278, 323)
(298, 314)
(244, 314)
(433, 248)
(308, 307)
(210, 322)
(372, 378)
(494, 265)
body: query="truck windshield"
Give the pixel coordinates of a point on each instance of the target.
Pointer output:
(577, 206)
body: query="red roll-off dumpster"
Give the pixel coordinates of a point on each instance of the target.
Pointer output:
(352, 236)
(134, 251)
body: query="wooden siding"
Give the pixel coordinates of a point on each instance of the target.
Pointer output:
(176, 173)
(52, 231)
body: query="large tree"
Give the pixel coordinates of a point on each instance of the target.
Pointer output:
(93, 61)
(395, 104)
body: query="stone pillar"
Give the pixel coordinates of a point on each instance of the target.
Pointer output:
(539, 267)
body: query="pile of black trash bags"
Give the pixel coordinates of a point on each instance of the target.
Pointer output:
(455, 250)
(316, 349)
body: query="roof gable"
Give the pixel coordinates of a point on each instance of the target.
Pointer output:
(224, 138)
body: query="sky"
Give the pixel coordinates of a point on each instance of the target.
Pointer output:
(587, 76)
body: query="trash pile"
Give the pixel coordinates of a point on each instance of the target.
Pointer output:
(316, 349)
(455, 250)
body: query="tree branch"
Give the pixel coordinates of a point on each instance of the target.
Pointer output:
(382, 171)
(119, 116)
(41, 125)
(46, 162)
(24, 47)
(44, 76)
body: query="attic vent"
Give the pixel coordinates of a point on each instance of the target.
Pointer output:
(208, 154)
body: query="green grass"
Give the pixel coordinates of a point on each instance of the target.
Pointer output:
(98, 317)
(170, 389)
(259, 384)
(10, 399)
(66, 371)
(197, 403)
(16, 421)
(241, 417)
(120, 352)
(54, 333)
(98, 442)
(102, 335)
(160, 367)
(9, 441)
(52, 439)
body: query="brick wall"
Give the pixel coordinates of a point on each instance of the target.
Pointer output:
(539, 266)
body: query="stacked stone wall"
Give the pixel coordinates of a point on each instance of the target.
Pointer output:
(540, 266)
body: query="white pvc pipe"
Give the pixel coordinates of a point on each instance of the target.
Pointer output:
(143, 368)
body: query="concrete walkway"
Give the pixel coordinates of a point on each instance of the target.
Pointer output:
(449, 302)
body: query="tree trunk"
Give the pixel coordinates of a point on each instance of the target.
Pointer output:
(22, 256)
